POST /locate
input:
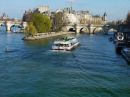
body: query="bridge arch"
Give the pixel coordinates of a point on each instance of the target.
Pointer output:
(72, 29)
(13, 23)
(2, 25)
(68, 28)
(15, 28)
(112, 30)
(84, 30)
(97, 29)
(18, 26)
(108, 29)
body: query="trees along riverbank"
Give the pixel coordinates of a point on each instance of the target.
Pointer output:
(37, 23)
(42, 26)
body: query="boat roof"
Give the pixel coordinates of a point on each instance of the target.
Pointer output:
(62, 42)
(65, 40)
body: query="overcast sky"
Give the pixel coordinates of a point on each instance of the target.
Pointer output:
(116, 9)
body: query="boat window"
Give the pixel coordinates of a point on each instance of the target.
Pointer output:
(57, 44)
(62, 45)
(66, 45)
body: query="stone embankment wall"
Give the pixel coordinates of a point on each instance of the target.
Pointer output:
(46, 35)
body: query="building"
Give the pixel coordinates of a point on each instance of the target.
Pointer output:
(4, 16)
(70, 18)
(43, 10)
(85, 17)
(81, 17)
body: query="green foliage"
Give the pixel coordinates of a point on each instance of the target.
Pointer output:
(41, 22)
(58, 21)
(30, 30)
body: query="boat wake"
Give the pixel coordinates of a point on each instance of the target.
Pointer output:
(60, 51)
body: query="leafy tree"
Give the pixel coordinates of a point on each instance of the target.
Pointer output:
(30, 30)
(41, 22)
(58, 21)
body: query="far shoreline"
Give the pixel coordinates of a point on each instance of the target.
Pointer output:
(40, 36)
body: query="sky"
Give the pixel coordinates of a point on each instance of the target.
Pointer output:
(115, 9)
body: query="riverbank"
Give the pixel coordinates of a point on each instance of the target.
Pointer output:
(46, 35)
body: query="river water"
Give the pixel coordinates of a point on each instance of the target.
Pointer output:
(31, 69)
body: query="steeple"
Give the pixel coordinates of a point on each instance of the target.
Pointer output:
(104, 17)
(105, 14)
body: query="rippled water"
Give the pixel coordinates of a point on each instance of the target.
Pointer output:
(30, 69)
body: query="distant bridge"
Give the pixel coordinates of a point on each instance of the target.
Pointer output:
(11, 23)
(89, 28)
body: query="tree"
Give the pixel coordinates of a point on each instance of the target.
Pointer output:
(58, 21)
(27, 16)
(41, 22)
(128, 19)
(30, 30)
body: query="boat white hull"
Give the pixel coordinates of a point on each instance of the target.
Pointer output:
(66, 48)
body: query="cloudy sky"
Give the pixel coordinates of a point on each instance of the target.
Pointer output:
(116, 9)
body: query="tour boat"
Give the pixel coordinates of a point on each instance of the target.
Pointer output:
(67, 44)
(126, 53)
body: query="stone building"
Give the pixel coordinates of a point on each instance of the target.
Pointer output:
(4, 16)
(85, 17)
(44, 10)
(82, 17)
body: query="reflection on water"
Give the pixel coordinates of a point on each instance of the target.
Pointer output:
(37, 42)
(33, 70)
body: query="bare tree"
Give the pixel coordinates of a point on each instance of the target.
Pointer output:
(128, 19)
(57, 21)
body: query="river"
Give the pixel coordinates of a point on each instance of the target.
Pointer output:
(31, 69)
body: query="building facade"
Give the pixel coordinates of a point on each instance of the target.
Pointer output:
(82, 17)
(43, 10)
